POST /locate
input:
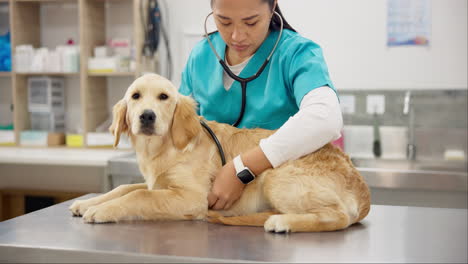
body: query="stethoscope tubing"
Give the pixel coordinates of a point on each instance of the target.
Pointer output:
(243, 81)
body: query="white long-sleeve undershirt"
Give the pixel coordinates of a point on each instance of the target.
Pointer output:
(318, 122)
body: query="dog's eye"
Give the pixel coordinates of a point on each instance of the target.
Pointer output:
(136, 96)
(163, 96)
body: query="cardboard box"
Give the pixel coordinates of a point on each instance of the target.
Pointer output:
(103, 65)
(41, 138)
(99, 139)
(33, 138)
(56, 139)
(106, 140)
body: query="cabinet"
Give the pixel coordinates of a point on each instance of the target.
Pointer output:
(87, 22)
(15, 202)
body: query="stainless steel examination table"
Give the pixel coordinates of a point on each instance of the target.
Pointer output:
(388, 234)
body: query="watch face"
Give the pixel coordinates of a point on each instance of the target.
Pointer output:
(245, 176)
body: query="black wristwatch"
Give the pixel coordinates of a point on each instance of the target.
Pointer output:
(244, 174)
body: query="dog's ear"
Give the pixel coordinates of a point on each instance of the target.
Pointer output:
(119, 124)
(185, 124)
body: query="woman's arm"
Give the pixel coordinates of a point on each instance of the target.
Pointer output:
(317, 122)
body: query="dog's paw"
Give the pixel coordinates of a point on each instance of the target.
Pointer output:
(214, 217)
(78, 208)
(99, 214)
(213, 214)
(277, 224)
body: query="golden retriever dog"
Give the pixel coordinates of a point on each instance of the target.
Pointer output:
(179, 161)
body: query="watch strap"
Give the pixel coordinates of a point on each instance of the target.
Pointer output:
(238, 164)
(244, 174)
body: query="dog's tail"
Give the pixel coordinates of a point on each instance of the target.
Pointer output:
(257, 219)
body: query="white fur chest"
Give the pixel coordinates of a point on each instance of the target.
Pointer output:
(154, 159)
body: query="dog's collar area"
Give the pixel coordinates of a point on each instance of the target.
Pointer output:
(215, 139)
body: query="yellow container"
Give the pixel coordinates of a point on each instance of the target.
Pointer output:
(74, 140)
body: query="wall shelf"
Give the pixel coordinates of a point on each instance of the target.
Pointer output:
(45, 1)
(91, 29)
(113, 74)
(63, 74)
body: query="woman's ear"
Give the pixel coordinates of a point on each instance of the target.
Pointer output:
(119, 124)
(185, 123)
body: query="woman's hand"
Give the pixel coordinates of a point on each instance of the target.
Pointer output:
(226, 190)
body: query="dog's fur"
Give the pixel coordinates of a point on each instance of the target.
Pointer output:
(179, 160)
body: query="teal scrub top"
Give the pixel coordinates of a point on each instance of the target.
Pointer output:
(296, 67)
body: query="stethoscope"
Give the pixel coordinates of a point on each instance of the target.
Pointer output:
(243, 81)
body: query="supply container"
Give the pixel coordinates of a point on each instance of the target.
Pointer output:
(46, 94)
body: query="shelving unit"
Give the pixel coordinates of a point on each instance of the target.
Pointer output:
(113, 74)
(25, 28)
(6, 115)
(63, 74)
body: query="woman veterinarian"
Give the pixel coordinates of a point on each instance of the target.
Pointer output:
(293, 93)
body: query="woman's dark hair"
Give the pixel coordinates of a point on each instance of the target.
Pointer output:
(275, 23)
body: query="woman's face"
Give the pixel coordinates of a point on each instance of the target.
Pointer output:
(243, 25)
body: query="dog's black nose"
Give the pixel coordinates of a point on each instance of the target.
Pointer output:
(148, 117)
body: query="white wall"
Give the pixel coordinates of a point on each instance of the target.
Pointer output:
(353, 36)
(183, 16)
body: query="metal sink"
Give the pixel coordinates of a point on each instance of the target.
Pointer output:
(414, 174)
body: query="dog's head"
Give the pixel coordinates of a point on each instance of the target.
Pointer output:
(152, 106)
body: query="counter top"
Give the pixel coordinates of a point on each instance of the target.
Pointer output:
(388, 234)
(59, 156)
